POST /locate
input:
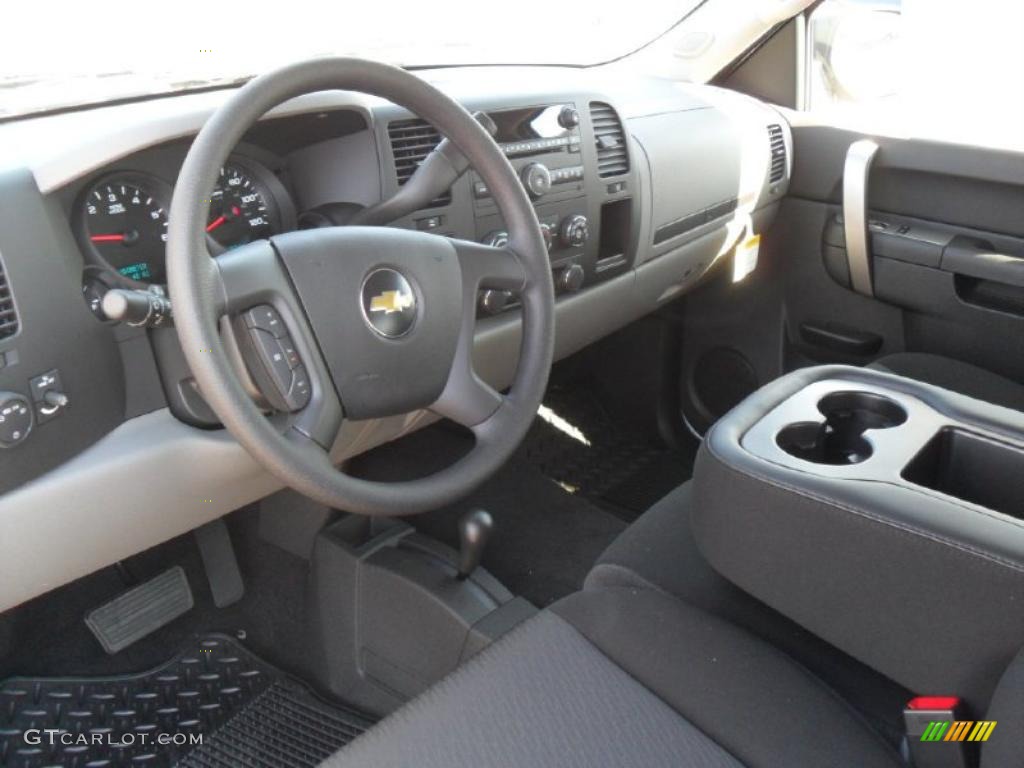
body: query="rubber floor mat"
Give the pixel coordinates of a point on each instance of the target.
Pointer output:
(576, 443)
(216, 704)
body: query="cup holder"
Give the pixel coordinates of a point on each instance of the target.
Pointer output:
(839, 439)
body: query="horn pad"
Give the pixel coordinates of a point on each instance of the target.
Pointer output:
(386, 308)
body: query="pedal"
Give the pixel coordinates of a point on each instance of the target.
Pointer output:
(221, 565)
(141, 610)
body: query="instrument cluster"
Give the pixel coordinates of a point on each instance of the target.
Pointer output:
(120, 219)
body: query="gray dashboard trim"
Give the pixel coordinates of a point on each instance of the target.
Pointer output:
(150, 479)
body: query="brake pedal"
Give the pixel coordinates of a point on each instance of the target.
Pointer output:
(131, 616)
(221, 565)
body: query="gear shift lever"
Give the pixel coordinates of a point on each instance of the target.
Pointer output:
(474, 529)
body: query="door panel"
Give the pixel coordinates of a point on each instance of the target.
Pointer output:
(948, 268)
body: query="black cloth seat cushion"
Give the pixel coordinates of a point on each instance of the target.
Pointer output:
(955, 375)
(623, 677)
(658, 551)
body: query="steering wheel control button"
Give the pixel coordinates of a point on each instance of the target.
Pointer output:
(16, 419)
(266, 318)
(389, 303)
(298, 394)
(290, 353)
(274, 359)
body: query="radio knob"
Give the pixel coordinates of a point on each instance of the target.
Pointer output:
(575, 231)
(537, 179)
(568, 117)
(570, 279)
(491, 301)
(497, 239)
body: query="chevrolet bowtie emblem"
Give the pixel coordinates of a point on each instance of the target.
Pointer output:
(391, 301)
(388, 302)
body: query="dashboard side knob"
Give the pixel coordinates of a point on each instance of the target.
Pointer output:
(16, 419)
(537, 179)
(570, 278)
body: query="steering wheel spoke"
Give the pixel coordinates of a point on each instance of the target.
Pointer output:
(467, 399)
(487, 266)
(252, 279)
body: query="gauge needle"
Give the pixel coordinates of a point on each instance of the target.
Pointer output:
(107, 238)
(216, 223)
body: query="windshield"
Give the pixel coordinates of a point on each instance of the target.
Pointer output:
(65, 54)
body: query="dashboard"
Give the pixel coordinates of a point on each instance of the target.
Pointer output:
(642, 187)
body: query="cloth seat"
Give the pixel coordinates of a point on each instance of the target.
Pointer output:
(626, 677)
(658, 551)
(958, 376)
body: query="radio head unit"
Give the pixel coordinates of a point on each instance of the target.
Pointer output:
(530, 130)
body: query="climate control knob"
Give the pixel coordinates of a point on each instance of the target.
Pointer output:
(496, 239)
(536, 179)
(570, 279)
(492, 301)
(548, 235)
(575, 231)
(16, 419)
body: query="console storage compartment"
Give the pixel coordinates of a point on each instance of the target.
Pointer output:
(883, 514)
(973, 468)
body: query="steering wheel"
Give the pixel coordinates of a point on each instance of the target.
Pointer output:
(382, 319)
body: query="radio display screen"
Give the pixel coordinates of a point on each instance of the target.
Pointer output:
(529, 123)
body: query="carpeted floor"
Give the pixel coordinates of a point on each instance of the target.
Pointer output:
(580, 446)
(48, 635)
(545, 539)
(573, 486)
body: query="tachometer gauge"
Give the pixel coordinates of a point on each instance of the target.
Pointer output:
(242, 209)
(124, 225)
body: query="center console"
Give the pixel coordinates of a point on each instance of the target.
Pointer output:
(585, 222)
(883, 514)
(573, 158)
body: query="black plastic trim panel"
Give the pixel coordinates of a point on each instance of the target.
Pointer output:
(58, 331)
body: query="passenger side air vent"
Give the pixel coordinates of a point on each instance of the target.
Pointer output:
(612, 155)
(777, 144)
(411, 141)
(8, 314)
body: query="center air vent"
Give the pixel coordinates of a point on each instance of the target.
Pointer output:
(411, 141)
(8, 314)
(777, 143)
(612, 157)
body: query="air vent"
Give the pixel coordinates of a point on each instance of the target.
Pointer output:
(612, 156)
(8, 314)
(777, 143)
(411, 142)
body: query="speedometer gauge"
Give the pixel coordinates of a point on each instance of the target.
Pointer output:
(241, 208)
(124, 225)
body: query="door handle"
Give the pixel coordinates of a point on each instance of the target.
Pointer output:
(976, 258)
(856, 172)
